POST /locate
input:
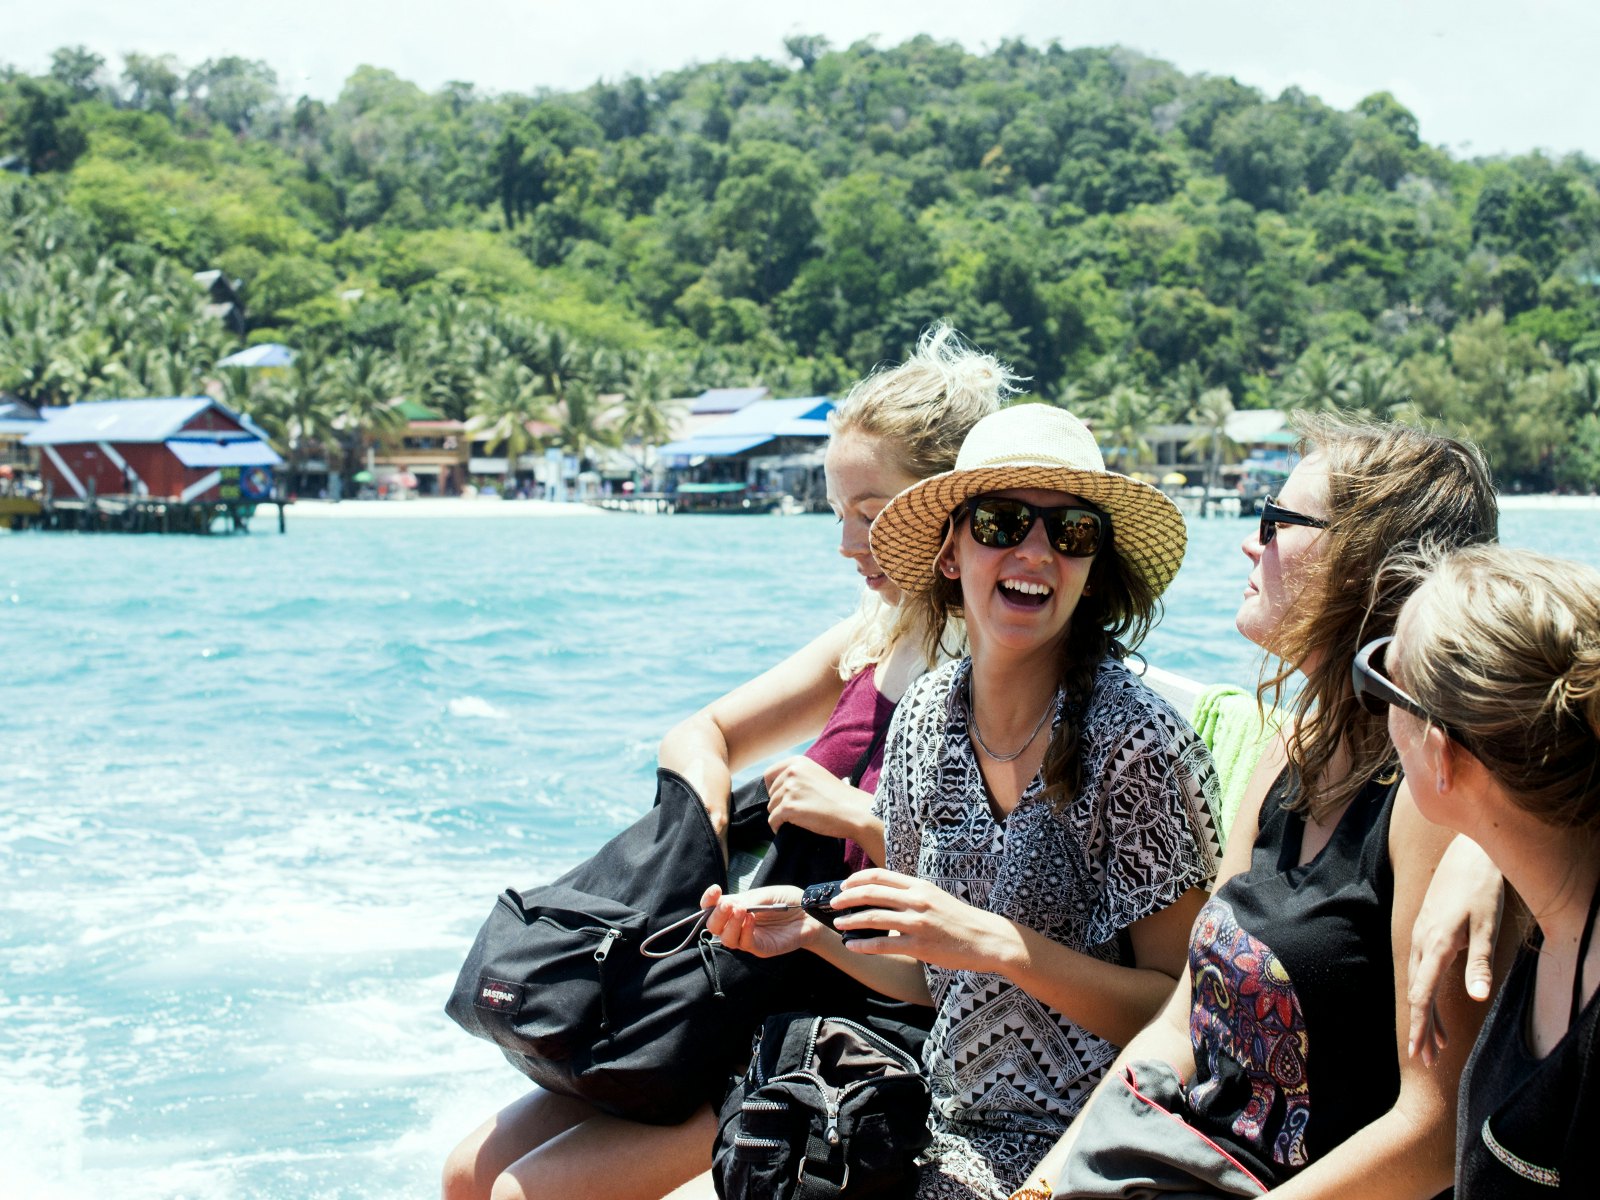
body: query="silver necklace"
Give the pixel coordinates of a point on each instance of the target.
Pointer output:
(972, 724)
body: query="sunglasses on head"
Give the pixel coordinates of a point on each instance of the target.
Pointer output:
(1072, 530)
(1274, 514)
(1377, 691)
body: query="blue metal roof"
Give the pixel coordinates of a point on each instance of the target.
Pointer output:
(803, 417)
(239, 452)
(706, 446)
(131, 421)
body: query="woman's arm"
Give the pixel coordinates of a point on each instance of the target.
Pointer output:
(777, 709)
(1110, 1001)
(1461, 911)
(1408, 1152)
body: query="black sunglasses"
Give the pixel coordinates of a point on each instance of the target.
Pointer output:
(1377, 691)
(1273, 514)
(1073, 530)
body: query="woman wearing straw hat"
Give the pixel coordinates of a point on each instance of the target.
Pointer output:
(1047, 816)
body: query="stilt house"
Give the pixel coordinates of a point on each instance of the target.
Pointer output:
(182, 448)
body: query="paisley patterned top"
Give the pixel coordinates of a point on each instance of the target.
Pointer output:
(1008, 1072)
(1292, 1003)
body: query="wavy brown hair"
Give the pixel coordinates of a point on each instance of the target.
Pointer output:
(1504, 646)
(1115, 612)
(1390, 488)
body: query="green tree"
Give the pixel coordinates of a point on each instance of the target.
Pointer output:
(1212, 413)
(764, 208)
(361, 390)
(1318, 382)
(648, 413)
(1122, 420)
(505, 403)
(41, 126)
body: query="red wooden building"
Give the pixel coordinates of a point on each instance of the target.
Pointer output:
(176, 449)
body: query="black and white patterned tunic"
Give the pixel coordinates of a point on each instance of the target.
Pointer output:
(1008, 1072)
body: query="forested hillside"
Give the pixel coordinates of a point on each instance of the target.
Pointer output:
(1144, 244)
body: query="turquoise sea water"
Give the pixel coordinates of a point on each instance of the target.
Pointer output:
(257, 793)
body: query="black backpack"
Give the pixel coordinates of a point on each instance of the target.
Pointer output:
(556, 980)
(826, 1104)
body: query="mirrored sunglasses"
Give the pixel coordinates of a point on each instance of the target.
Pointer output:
(1001, 523)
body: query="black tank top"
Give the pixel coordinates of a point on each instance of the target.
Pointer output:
(1292, 1015)
(1527, 1126)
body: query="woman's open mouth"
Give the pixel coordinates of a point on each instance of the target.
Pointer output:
(1024, 593)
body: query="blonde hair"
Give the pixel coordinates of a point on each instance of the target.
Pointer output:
(1390, 488)
(1503, 646)
(920, 411)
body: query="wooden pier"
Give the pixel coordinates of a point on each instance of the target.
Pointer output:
(141, 514)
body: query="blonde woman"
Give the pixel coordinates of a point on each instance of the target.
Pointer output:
(896, 427)
(1491, 684)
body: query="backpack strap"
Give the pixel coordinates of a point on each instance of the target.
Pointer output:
(811, 1183)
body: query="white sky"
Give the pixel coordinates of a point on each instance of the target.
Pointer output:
(1482, 76)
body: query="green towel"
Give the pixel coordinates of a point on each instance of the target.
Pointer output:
(1228, 720)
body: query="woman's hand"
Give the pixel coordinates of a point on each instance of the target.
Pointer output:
(764, 934)
(929, 923)
(807, 794)
(1460, 912)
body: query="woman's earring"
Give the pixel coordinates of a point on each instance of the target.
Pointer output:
(950, 570)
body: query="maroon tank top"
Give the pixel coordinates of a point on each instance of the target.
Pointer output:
(859, 719)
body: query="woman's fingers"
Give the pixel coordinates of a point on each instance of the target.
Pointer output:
(1485, 932)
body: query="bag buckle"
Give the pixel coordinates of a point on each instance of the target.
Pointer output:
(800, 1179)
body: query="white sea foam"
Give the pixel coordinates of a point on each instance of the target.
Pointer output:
(476, 707)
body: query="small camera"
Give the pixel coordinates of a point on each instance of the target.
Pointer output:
(818, 901)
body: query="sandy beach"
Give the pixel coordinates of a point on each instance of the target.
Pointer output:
(430, 507)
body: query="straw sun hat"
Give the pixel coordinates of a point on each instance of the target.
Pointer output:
(1029, 446)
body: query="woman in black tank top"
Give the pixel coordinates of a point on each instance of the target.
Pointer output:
(1492, 683)
(1280, 1052)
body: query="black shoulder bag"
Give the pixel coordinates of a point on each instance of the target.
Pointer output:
(827, 1107)
(557, 980)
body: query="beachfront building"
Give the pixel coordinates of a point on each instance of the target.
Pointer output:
(765, 450)
(17, 421)
(431, 455)
(178, 448)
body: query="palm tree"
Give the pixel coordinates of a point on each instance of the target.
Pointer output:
(1317, 382)
(1186, 387)
(298, 412)
(1126, 414)
(362, 392)
(581, 427)
(1211, 413)
(1373, 388)
(647, 413)
(504, 404)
